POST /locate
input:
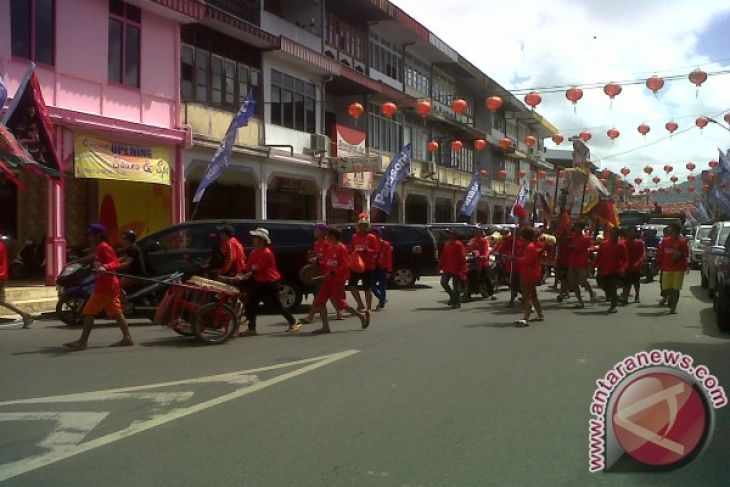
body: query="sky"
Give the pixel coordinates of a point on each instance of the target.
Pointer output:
(525, 44)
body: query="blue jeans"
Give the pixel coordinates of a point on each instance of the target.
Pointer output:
(380, 285)
(455, 293)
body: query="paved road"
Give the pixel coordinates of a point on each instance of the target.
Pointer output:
(427, 396)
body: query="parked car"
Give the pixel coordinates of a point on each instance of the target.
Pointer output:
(415, 253)
(440, 232)
(712, 246)
(184, 246)
(695, 245)
(721, 301)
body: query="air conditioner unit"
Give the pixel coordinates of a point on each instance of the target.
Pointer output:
(428, 170)
(329, 52)
(360, 67)
(319, 143)
(345, 59)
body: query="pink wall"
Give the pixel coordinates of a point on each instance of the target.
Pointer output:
(79, 79)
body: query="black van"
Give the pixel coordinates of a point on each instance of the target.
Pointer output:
(441, 232)
(184, 246)
(414, 251)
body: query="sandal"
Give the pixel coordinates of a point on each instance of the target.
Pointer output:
(365, 320)
(321, 331)
(521, 323)
(539, 318)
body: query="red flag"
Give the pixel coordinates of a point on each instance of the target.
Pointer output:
(605, 213)
(28, 119)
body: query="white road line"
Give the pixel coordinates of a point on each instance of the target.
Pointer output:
(20, 467)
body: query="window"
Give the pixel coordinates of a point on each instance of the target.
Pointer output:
(418, 76)
(124, 43)
(462, 160)
(498, 122)
(419, 139)
(216, 80)
(383, 133)
(386, 58)
(293, 102)
(32, 30)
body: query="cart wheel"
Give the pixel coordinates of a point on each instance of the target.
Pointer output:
(214, 323)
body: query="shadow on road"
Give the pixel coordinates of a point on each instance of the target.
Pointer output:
(708, 320)
(700, 294)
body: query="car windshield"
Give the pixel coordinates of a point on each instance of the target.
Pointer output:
(724, 233)
(703, 232)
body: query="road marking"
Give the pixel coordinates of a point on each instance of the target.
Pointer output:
(63, 451)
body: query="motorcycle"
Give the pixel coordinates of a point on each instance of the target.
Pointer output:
(476, 279)
(498, 271)
(651, 266)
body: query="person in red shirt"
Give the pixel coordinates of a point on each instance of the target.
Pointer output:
(611, 262)
(509, 248)
(529, 264)
(636, 253)
(336, 272)
(4, 274)
(266, 283)
(383, 268)
(234, 256)
(317, 256)
(672, 257)
(480, 243)
(578, 259)
(366, 245)
(452, 265)
(106, 290)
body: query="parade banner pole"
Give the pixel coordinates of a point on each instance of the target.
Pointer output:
(555, 196)
(583, 197)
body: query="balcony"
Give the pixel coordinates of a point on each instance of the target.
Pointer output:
(279, 26)
(278, 135)
(248, 10)
(211, 123)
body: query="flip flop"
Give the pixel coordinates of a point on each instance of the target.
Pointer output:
(366, 323)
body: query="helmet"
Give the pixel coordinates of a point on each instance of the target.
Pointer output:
(130, 235)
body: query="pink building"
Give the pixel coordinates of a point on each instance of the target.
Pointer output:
(110, 75)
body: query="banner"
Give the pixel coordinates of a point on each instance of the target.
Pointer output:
(220, 160)
(342, 198)
(398, 169)
(96, 158)
(351, 143)
(518, 209)
(357, 180)
(473, 195)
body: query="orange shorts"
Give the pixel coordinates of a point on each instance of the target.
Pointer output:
(333, 291)
(98, 302)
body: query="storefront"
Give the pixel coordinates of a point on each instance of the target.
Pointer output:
(417, 209)
(443, 210)
(483, 214)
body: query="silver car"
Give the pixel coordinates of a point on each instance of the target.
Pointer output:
(712, 247)
(695, 245)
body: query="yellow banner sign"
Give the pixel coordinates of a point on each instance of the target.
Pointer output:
(100, 159)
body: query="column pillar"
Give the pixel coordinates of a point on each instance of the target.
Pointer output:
(55, 231)
(322, 215)
(261, 201)
(177, 188)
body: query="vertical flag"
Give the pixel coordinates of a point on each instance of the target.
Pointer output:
(472, 197)
(724, 174)
(398, 169)
(3, 93)
(518, 209)
(220, 160)
(702, 214)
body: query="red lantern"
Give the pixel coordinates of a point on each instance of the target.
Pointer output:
(533, 99)
(697, 77)
(701, 122)
(656, 179)
(433, 146)
(674, 179)
(625, 171)
(691, 166)
(671, 126)
(585, 136)
(612, 89)
(550, 182)
(505, 143)
(483, 173)
(355, 110)
(459, 105)
(643, 129)
(502, 175)
(648, 169)
(631, 190)
(668, 169)
(574, 94)
(540, 174)
(691, 189)
(691, 178)
(727, 118)
(529, 141)
(714, 164)
(558, 139)
(480, 145)
(605, 173)
(521, 174)
(533, 181)
(711, 177)
(423, 108)
(389, 109)
(679, 190)
(494, 103)
(655, 83)
(619, 182)
(613, 133)
(456, 145)
(638, 181)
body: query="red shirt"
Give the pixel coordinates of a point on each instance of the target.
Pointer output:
(481, 244)
(578, 247)
(505, 249)
(611, 258)
(672, 254)
(320, 251)
(105, 283)
(367, 246)
(636, 254)
(453, 258)
(263, 265)
(528, 263)
(234, 257)
(3, 263)
(337, 262)
(385, 256)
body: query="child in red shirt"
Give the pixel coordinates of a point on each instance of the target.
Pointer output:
(529, 265)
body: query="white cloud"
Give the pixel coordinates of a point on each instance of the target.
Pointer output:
(523, 44)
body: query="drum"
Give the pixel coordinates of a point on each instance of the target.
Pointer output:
(310, 274)
(203, 282)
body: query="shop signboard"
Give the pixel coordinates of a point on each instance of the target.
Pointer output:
(98, 158)
(350, 144)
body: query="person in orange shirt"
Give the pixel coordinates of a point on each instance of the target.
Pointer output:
(673, 257)
(612, 261)
(366, 245)
(383, 268)
(234, 255)
(452, 265)
(4, 273)
(481, 245)
(529, 264)
(266, 283)
(636, 253)
(106, 291)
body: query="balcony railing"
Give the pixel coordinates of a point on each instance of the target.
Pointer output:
(248, 10)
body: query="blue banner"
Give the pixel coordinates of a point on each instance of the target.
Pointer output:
(3, 93)
(719, 200)
(472, 197)
(398, 169)
(724, 174)
(220, 160)
(521, 201)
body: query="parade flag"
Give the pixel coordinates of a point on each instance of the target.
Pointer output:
(28, 120)
(3, 93)
(518, 209)
(472, 197)
(724, 174)
(605, 213)
(221, 159)
(720, 201)
(398, 169)
(702, 214)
